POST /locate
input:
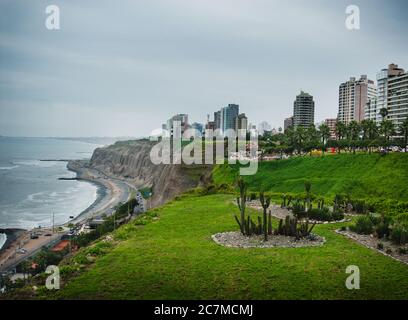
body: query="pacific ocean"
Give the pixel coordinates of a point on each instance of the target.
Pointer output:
(30, 192)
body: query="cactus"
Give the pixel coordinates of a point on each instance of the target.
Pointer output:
(265, 202)
(241, 201)
(269, 223)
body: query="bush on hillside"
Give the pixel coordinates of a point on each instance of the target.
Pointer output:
(363, 225)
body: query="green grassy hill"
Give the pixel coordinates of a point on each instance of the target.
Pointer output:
(173, 256)
(362, 175)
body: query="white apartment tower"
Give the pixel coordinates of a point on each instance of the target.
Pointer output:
(353, 97)
(397, 99)
(382, 83)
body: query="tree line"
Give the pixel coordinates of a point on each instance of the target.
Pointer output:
(366, 135)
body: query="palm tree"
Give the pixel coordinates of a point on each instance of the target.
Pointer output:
(341, 132)
(299, 135)
(370, 132)
(354, 130)
(387, 129)
(324, 132)
(312, 138)
(403, 130)
(383, 112)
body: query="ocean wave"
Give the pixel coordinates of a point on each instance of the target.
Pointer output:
(36, 163)
(9, 168)
(3, 239)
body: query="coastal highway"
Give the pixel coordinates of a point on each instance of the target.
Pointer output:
(112, 191)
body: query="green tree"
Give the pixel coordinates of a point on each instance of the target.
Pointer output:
(324, 132)
(403, 131)
(384, 113)
(387, 130)
(354, 130)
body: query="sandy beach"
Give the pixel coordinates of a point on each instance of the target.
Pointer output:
(111, 192)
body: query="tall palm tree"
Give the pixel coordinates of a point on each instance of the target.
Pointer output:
(324, 132)
(403, 130)
(300, 135)
(387, 129)
(354, 130)
(341, 132)
(383, 112)
(370, 132)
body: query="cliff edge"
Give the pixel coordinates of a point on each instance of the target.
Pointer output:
(130, 161)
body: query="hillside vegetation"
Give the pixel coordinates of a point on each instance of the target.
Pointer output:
(363, 176)
(173, 256)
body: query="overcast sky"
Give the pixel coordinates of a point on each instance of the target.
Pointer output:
(119, 68)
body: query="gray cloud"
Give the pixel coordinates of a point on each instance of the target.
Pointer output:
(122, 68)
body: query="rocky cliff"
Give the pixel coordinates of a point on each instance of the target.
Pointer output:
(130, 161)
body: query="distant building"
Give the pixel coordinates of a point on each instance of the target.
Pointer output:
(198, 126)
(264, 126)
(288, 123)
(303, 110)
(228, 115)
(217, 120)
(353, 97)
(240, 122)
(331, 123)
(210, 125)
(182, 118)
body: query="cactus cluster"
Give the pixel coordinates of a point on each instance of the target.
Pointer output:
(293, 227)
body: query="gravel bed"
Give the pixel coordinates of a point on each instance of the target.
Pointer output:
(235, 239)
(371, 242)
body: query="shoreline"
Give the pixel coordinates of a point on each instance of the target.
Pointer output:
(110, 191)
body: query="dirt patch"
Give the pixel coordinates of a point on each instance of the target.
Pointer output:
(235, 239)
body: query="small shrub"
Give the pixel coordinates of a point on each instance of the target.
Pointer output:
(320, 214)
(402, 250)
(363, 225)
(388, 251)
(359, 206)
(343, 228)
(337, 215)
(382, 230)
(380, 246)
(399, 233)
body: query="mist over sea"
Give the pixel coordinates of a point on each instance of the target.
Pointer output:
(30, 191)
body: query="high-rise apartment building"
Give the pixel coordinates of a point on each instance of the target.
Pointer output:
(353, 97)
(217, 120)
(287, 123)
(331, 123)
(382, 86)
(182, 118)
(228, 115)
(371, 109)
(397, 99)
(264, 126)
(303, 110)
(240, 122)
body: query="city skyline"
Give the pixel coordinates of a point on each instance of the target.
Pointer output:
(107, 73)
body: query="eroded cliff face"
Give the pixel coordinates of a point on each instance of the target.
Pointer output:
(130, 161)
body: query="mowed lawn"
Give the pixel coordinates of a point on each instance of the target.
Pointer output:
(175, 258)
(371, 176)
